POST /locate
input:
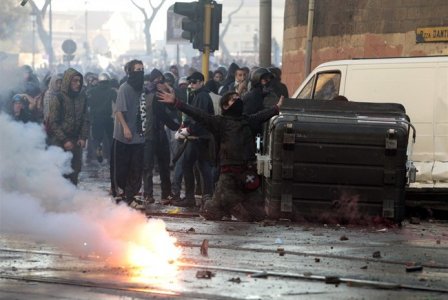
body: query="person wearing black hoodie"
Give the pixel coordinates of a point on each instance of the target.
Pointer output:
(156, 140)
(237, 192)
(100, 99)
(230, 79)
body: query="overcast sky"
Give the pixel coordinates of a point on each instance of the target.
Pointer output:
(126, 5)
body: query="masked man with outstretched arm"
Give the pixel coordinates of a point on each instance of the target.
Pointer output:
(237, 191)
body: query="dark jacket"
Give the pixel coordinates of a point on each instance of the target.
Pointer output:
(68, 117)
(234, 135)
(100, 99)
(201, 100)
(157, 115)
(279, 88)
(229, 79)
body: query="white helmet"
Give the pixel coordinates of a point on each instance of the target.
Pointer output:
(104, 76)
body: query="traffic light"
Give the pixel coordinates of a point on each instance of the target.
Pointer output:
(216, 20)
(192, 24)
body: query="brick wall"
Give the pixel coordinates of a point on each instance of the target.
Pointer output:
(345, 29)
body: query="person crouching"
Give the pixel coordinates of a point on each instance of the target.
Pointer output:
(237, 192)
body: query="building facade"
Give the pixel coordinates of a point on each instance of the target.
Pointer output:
(346, 29)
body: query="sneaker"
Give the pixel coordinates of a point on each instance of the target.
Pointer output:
(99, 154)
(184, 202)
(149, 199)
(137, 205)
(170, 199)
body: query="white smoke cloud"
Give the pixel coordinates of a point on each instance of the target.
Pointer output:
(35, 198)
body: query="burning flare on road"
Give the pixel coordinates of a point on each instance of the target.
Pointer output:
(152, 253)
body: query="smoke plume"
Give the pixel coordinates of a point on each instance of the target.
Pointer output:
(36, 199)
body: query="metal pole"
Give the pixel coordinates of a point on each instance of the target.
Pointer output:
(86, 45)
(50, 29)
(206, 53)
(265, 32)
(177, 54)
(33, 18)
(309, 38)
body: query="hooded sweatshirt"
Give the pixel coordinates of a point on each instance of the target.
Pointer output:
(68, 117)
(51, 93)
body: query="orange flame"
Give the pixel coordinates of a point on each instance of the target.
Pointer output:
(152, 254)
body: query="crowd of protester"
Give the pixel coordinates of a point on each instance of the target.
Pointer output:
(134, 124)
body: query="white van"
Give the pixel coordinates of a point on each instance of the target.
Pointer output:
(419, 83)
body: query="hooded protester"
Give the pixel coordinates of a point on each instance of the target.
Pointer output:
(156, 140)
(230, 79)
(68, 120)
(278, 87)
(237, 191)
(128, 143)
(54, 87)
(100, 100)
(22, 109)
(260, 94)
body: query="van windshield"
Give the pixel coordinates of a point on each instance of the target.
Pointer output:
(307, 90)
(327, 85)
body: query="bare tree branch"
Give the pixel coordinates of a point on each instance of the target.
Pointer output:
(44, 36)
(150, 4)
(44, 8)
(143, 11)
(229, 18)
(225, 51)
(148, 21)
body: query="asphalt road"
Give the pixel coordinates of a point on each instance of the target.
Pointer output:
(266, 260)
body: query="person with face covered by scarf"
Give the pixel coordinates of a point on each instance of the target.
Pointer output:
(260, 94)
(68, 120)
(237, 191)
(128, 138)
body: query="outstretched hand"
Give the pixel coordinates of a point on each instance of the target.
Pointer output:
(166, 96)
(280, 101)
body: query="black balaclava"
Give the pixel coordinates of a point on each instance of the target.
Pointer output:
(266, 88)
(136, 79)
(235, 110)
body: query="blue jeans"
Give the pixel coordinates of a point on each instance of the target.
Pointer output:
(195, 153)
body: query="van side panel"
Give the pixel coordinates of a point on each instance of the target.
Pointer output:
(421, 85)
(413, 85)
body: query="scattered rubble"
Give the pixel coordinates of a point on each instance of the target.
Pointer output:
(205, 274)
(235, 279)
(376, 254)
(204, 248)
(414, 267)
(281, 251)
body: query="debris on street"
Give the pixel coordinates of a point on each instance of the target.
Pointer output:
(205, 274)
(204, 247)
(376, 254)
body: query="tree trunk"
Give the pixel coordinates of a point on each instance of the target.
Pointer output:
(44, 36)
(148, 39)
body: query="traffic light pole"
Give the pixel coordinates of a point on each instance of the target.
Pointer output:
(207, 31)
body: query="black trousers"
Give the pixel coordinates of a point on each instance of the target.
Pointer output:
(126, 168)
(157, 147)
